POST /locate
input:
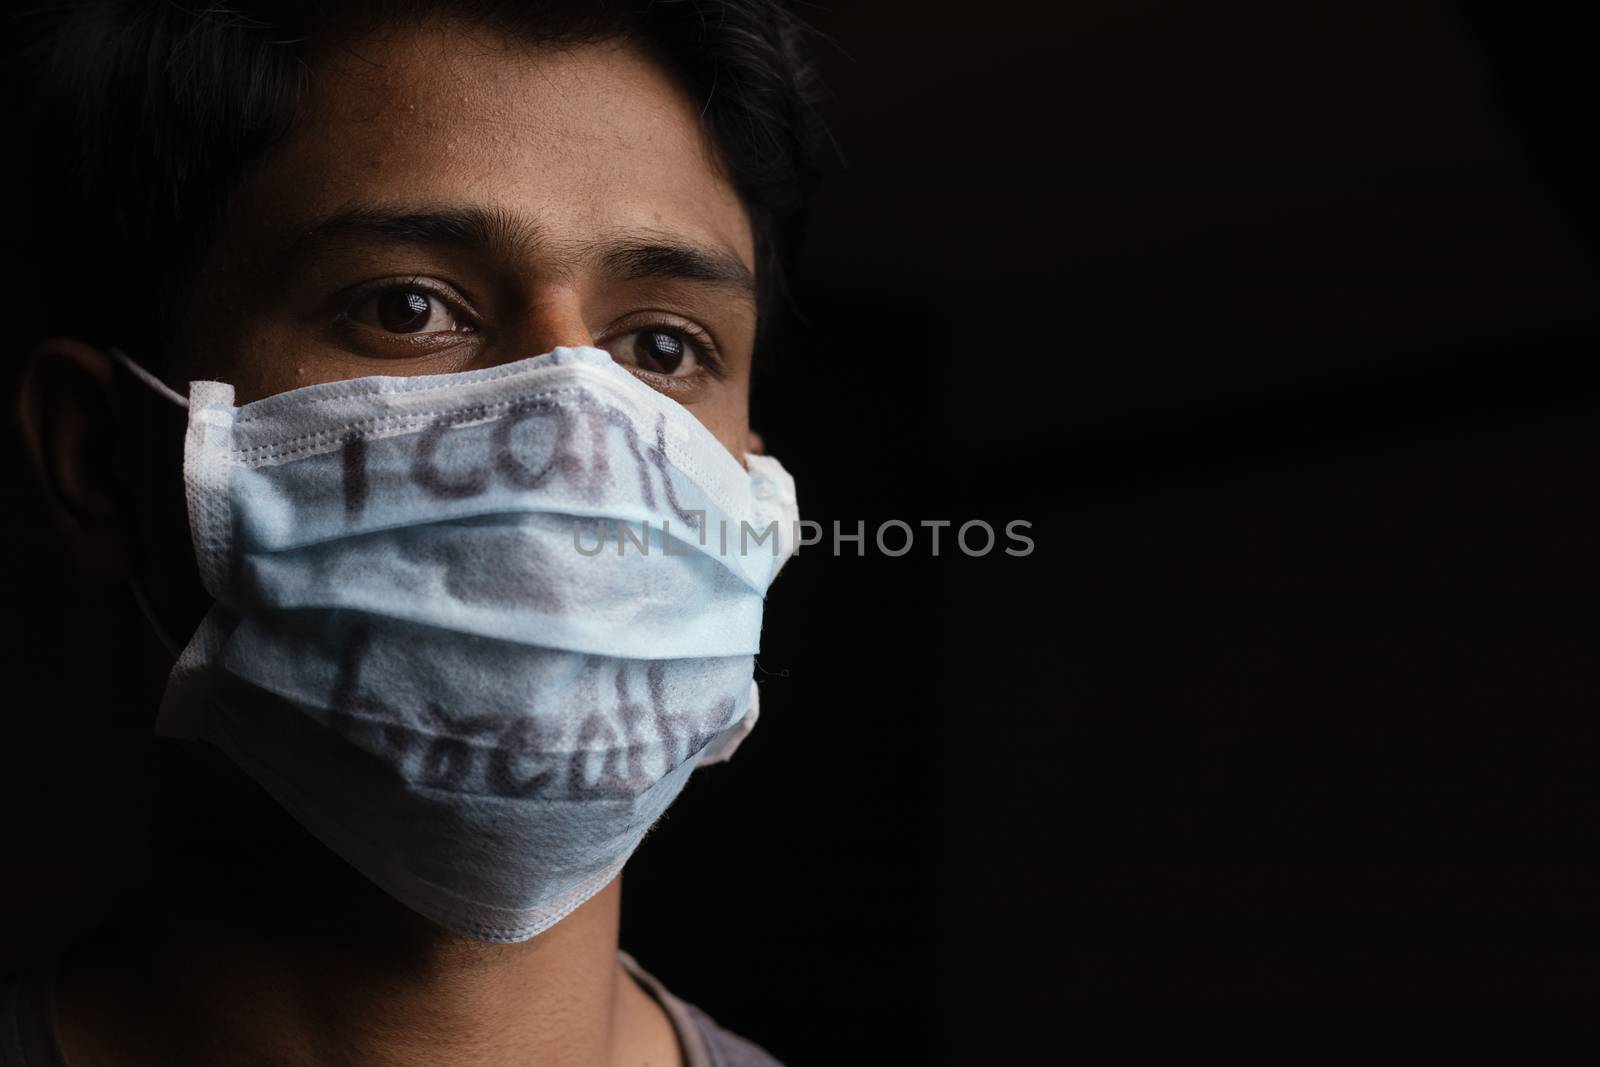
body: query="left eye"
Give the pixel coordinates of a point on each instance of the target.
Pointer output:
(407, 309)
(664, 352)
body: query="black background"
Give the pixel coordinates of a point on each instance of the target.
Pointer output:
(1278, 322)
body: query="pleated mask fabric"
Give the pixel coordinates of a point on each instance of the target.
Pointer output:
(474, 631)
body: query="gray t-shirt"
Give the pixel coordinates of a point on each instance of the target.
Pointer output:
(28, 1035)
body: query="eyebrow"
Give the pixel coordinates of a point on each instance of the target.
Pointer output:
(649, 255)
(669, 260)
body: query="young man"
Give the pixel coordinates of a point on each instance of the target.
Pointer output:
(418, 727)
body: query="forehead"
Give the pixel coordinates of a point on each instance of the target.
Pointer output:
(578, 141)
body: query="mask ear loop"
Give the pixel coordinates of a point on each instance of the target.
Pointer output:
(165, 391)
(162, 388)
(162, 633)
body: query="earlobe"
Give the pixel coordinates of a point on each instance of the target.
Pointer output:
(73, 432)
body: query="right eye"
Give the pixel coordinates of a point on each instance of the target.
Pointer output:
(407, 309)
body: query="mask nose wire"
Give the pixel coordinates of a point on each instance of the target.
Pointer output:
(165, 391)
(162, 388)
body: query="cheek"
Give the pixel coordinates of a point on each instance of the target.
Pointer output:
(728, 419)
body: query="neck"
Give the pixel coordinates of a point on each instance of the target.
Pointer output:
(259, 939)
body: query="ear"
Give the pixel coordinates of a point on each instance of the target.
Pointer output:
(74, 433)
(756, 446)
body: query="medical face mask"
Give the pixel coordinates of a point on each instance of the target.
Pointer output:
(474, 631)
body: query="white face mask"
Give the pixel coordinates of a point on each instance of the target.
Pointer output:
(418, 651)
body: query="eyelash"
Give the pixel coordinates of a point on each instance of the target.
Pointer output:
(451, 298)
(665, 322)
(678, 327)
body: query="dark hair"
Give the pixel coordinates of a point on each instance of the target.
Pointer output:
(148, 113)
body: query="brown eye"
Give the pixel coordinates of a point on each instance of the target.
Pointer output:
(407, 309)
(664, 352)
(660, 352)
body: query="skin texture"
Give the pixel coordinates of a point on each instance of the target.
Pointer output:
(509, 188)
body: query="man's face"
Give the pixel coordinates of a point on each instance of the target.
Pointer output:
(454, 200)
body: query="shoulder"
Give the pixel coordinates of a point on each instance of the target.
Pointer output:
(13, 995)
(705, 1043)
(725, 1048)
